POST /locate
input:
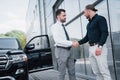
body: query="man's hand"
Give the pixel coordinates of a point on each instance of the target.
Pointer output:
(98, 51)
(75, 44)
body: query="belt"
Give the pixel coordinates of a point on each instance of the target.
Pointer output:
(63, 47)
(93, 44)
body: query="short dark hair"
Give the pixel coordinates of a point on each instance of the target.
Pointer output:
(58, 12)
(91, 7)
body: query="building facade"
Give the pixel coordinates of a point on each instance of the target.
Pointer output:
(41, 16)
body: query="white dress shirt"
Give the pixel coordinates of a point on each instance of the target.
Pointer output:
(59, 35)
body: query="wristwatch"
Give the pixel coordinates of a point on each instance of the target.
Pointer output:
(100, 46)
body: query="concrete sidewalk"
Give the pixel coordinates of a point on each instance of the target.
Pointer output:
(47, 75)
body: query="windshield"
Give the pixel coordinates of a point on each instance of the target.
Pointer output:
(8, 43)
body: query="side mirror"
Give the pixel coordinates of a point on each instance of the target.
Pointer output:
(30, 46)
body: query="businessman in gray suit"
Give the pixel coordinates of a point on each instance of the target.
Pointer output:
(65, 58)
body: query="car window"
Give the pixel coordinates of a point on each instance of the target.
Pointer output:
(8, 43)
(40, 42)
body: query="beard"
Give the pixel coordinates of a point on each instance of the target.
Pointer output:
(88, 17)
(63, 20)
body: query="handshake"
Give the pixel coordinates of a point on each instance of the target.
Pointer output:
(75, 44)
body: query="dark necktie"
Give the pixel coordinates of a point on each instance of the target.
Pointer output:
(65, 32)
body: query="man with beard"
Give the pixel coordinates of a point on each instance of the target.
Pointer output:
(65, 58)
(97, 33)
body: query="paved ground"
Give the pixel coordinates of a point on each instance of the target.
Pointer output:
(53, 74)
(46, 75)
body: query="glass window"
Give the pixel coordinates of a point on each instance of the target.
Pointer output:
(74, 30)
(115, 31)
(83, 3)
(71, 7)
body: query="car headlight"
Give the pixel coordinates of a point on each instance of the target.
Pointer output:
(19, 58)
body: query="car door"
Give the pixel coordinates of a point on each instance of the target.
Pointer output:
(39, 53)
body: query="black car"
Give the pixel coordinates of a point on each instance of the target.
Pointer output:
(16, 64)
(13, 61)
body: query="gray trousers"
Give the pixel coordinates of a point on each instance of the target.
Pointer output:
(65, 59)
